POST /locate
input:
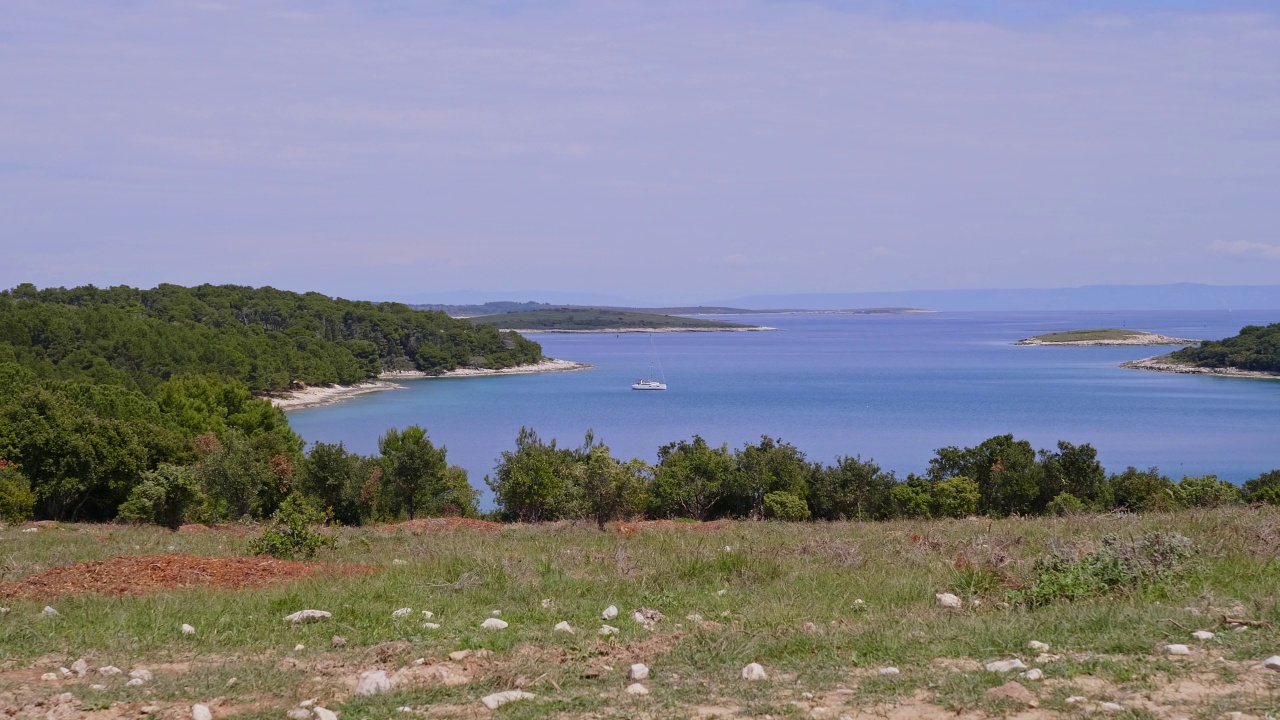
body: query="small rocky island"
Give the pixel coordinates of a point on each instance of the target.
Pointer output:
(1105, 336)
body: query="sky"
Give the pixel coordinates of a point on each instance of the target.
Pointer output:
(651, 151)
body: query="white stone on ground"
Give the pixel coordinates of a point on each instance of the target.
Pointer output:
(142, 674)
(325, 714)
(4, 611)
(493, 624)
(1110, 707)
(1272, 663)
(109, 670)
(401, 613)
(693, 617)
(31, 530)
(427, 614)
(49, 677)
(497, 700)
(609, 613)
(398, 561)
(637, 689)
(947, 600)
(754, 671)
(187, 629)
(889, 671)
(1032, 674)
(306, 616)
(49, 612)
(200, 712)
(300, 713)
(608, 630)
(1005, 665)
(299, 647)
(80, 667)
(638, 671)
(431, 626)
(496, 613)
(1202, 635)
(306, 703)
(64, 672)
(96, 686)
(1177, 649)
(134, 682)
(458, 655)
(1075, 699)
(564, 626)
(337, 641)
(372, 682)
(547, 604)
(1038, 646)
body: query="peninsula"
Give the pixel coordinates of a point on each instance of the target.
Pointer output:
(1254, 353)
(1104, 336)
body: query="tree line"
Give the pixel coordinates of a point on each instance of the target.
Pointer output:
(228, 477)
(1257, 347)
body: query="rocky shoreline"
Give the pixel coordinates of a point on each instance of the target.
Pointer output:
(1160, 363)
(318, 396)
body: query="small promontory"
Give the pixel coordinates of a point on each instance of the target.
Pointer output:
(1104, 336)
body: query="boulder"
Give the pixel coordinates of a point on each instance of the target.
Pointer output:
(638, 671)
(1005, 665)
(608, 630)
(372, 682)
(307, 616)
(1032, 674)
(49, 677)
(135, 682)
(401, 613)
(338, 641)
(497, 700)
(1272, 663)
(1202, 635)
(609, 613)
(1038, 646)
(80, 667)
(200, 712)
(187, 629)
(431, 626)
(563, 626)
(889, 671)
(1177, 649)
(142, 674)
(1015, 692)
(49, 612)
(109, 670)
(325, 714)
(754, 671)
(1112, 707)
(427, 614)
(494, 624)
(637, 689)
(949, 601)
(299, 713)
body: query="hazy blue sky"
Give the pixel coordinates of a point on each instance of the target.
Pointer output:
(674, 151)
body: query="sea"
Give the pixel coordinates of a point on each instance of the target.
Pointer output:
(887, 387)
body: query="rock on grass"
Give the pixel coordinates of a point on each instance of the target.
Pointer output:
(947, 600)
(494, 624)
(200, 712)
(754, 671)
(637, 689)
(1005, 665)
(307, 616)
(373, 682)
(497, 700)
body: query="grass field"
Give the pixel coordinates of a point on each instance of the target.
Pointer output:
(822, 607)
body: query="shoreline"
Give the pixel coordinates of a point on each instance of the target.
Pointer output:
(1158, 364)
(311, 397)
(616, 331)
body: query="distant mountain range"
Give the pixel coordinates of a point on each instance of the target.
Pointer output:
(1179, 296)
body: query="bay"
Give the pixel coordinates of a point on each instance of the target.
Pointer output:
(888, 387)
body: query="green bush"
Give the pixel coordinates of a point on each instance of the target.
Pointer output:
(1114, 567)
(955, 497)
(1144, 490)
(166, 496)
(1064, 504)
(292, 532)
(1264, 489)
(1207, 491)
(17, 501)
(785, 506)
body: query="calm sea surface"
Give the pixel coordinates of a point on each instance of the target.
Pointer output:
(888, 387)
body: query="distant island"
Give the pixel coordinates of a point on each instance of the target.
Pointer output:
(598, 320)
(1104, 336)
(1253, 353)
(505, 307)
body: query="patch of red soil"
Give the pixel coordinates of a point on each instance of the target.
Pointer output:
(143, 574)
(441, 523)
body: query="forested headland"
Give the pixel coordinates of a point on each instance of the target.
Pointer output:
(1256, 348)
(104, 391)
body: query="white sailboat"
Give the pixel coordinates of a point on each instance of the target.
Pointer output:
(650, 383)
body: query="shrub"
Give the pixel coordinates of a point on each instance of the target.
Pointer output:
(291, 533)
(1144, 490)
(911, 499)
(1264, 489)
(1207, 491)
(17, 501)
(785, 506)
(1116, 566)
(1064, 504)
(955, 497)
(165, 497)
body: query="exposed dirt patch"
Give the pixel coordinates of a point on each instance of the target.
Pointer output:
(441, 523)
(143, 574)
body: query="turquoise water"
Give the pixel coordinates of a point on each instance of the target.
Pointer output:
(888, 387)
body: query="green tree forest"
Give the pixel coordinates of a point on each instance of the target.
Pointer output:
(1257, 347)
(106, 391)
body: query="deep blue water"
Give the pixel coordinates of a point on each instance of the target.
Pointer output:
(888, 387)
